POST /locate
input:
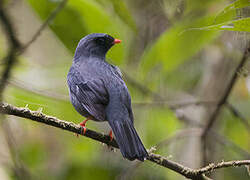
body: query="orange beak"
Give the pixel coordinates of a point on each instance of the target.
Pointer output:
(117, 41)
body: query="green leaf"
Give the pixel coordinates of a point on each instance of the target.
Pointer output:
(123, 12)
(235, 25)
(174, 47)
(230, 11)
(96, 19)
(228, 19)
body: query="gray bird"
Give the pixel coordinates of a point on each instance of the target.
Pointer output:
(98, 92)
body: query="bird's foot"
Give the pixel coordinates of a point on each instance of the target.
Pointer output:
(110, 140)
(111, 136)
(83, 125)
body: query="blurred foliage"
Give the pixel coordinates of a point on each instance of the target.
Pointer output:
(177, 46)
(231, 18)
(236, 25)
(231, 11)
(170, 60)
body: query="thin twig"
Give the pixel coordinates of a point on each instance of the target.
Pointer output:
(230, 144)
(44, 25)
(222, 164)
(173, 104)
(30, 88)
(196, 132)
(238, 114)
(158, 159)
(53, 95)
(143, 89)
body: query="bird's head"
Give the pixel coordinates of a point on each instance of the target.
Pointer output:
(96, 44)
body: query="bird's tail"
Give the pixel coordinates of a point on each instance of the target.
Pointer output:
(128, 140)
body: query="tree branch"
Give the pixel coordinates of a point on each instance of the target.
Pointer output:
(229, 88)
(197, 132)
(52, 121)
(222, 101)
(213, 166)
(238, 114)
(10, 59)
(8, 26)
(69, 126)
(29, 88)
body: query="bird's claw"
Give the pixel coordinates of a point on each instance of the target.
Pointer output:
(83, 124)
(110, 140)
(83, 130)
(111, 136)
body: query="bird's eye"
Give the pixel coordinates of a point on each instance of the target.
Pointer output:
(100, 41)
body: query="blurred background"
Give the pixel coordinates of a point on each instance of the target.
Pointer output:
(177, 58)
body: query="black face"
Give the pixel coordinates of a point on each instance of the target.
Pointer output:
(105, 41)
(96, 44)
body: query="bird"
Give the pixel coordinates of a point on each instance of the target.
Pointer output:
(98, 92)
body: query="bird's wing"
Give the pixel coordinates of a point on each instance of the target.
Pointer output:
(117, 70)
(118, 90)
(123, 90)
(127, 102)
(91, 95)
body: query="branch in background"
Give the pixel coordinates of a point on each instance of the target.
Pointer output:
(177, 104)
(61, 97)
(145, 90)
(15, 45)
(8, 27)
(174, 105)
(237, 114)
(224, 97)
(18, 167)
(197, 132)
(69, 126)
(10, 59)
(44, 25)
(29, 88)
(224, 141)
(222, 101)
